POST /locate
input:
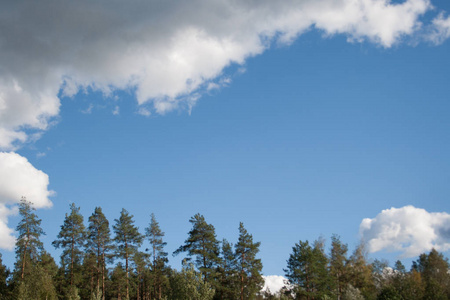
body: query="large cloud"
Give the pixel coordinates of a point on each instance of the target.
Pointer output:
(168, 52)
(19, 178)
(407, 229)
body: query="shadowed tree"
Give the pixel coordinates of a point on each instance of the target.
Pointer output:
(434, 271)
(128, 240)
(4, 274)
(228, 279)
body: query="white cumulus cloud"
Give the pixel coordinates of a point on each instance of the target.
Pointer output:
(166, 52)
(408, 229)
(19, 178)
(274, 283)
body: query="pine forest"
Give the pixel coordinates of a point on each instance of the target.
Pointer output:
(98, 263)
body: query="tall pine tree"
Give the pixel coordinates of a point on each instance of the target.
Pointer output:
(338, 266)
(128, 240)
(307, 270)
(100, 244)
(203, 245)
(28, 244)
(159, 256)
(71, 239)
(249, 267)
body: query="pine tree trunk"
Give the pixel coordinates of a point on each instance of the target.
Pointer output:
(103, 274)
(25, 252)
(126, 269)
(71, 260)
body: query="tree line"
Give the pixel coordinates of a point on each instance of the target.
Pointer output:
(97, 264)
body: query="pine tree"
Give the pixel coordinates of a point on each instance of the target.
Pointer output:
(434, 270)
(159, 256)
(228, 274)
(338, 265)
(128, 240)
(360, 272)
(118, 282)
(4, 274)
(188, 285)
(140, 261)
(71, 239)
(249, 267)
(99, 242)
(28, 244)
(203, 245)
(306, 270)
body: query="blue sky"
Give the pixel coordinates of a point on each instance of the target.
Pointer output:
(296, 139)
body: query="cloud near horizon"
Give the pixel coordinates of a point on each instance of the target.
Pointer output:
(166, 52)
(408, 230)
(274, 283)
(19, 178)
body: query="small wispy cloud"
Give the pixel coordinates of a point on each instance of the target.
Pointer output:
(40, 154)
(144, 112)
(440, 29)
(88, 110)
(116, 110)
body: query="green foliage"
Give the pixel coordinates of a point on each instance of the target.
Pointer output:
(37, 285)
(352, 293)
(203, 245)
(228, 286)
(189, 285)
(360, 272)
(307, 270)
(28, 243)
(155, 236)
(4, 274)
(99, 243)
(338, 265)
(389, 293)
(234, 272)
(72, 293)
(434, 270)
(118, 282)
(71, 239)
(128, 239)
(248, 266)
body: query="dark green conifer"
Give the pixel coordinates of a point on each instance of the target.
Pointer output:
(307, 270)
(72, 239)
(248, 266)
(159, 256)
(28, 244)
(203, 245)
(100, 244)
(128, 240)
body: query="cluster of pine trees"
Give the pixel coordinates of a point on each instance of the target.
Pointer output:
(313, 274)
(97, 264)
